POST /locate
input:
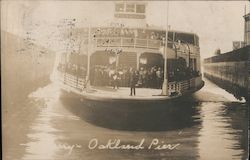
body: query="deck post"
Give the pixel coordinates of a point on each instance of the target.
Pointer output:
(165, 82)
(138, 55)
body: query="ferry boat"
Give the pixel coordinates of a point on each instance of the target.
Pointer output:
(87, 71)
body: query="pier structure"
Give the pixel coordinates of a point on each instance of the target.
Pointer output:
(231, 71)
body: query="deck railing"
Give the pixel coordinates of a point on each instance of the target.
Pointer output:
(73, 81)
(155, 44)
(127, 42)
(183, 86)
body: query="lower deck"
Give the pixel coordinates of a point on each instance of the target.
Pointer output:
(123, 93)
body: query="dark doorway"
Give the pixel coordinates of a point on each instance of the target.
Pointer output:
(101, 58)
(149, 60)
(127, 59)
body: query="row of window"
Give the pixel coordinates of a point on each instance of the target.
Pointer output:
(134, 8)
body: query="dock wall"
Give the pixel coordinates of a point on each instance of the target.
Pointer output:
(230, 71)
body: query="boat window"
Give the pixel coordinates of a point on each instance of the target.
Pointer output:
(140, 8)
(185, 38)
(119, 7)
(130, 8)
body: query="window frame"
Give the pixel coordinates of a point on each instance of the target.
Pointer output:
(132, 10)
(123, 7)
(144, 8)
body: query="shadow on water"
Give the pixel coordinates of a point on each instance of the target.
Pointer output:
(238, 113)
(135, 116)
(224, 126)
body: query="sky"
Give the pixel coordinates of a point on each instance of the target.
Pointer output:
(217, 23)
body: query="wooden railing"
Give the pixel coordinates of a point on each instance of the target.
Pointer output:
(127, 42)
(140, 43)
(185, 85)
(73, 81)
(155, 44)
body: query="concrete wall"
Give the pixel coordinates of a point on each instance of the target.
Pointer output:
(230, 71)
(234, 72)
(23, 70)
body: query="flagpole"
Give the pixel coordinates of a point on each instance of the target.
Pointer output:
(165, 82)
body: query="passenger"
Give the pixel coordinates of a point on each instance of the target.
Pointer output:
(154, 78)
(144, 78)
(140, 81)
(159, 78)
(111, 73)
(116, 79)
(133, 81)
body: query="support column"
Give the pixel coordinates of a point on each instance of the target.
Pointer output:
(88, 68)
(198, 65)
(89, 51)
(138, 55)
(165, 82)
(116, 61)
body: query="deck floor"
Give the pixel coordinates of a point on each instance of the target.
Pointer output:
(120, 93)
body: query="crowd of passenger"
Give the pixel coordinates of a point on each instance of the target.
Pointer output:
(109, 76)
(145, 77)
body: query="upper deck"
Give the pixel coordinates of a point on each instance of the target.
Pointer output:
(129, 32)
(146, 39)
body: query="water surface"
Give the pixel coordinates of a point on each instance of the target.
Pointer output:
(214, 126)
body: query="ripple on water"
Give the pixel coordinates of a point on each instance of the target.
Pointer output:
(217, 132)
